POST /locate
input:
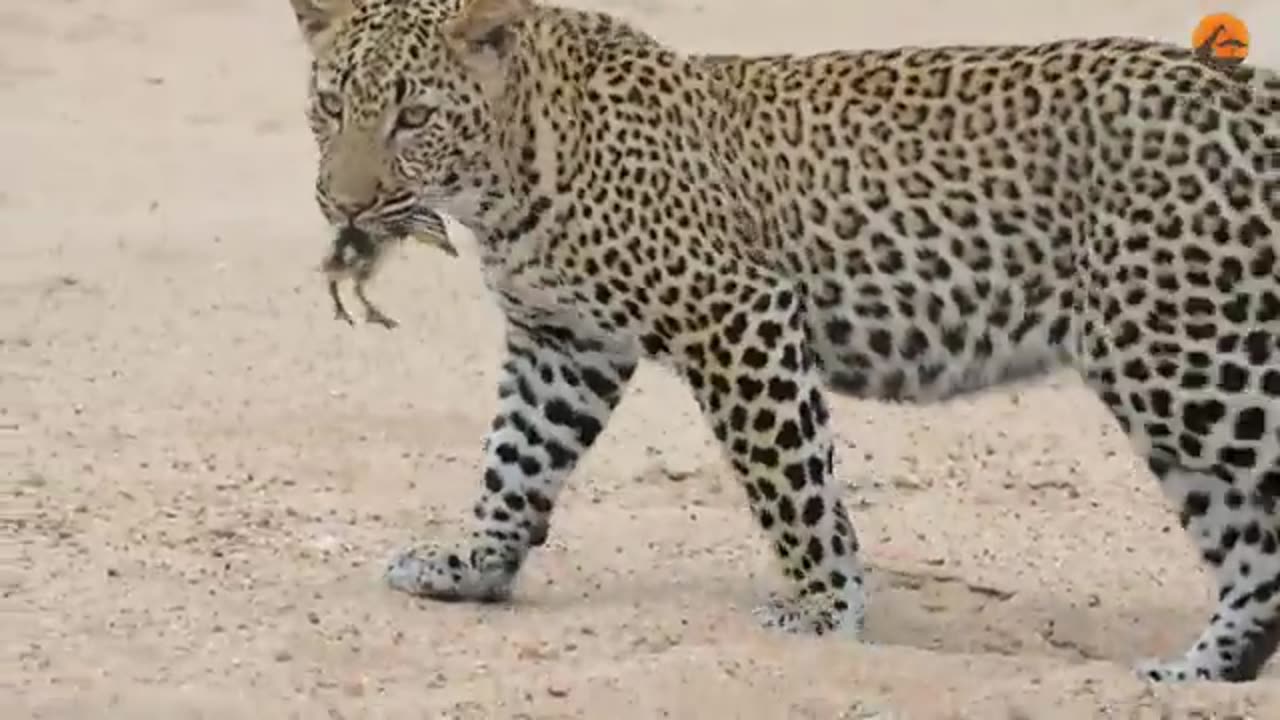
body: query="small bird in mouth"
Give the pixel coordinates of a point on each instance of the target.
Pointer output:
(356, 254)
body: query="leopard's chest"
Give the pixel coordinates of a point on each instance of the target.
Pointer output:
(537, 295)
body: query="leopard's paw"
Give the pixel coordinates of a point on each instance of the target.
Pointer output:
(828, 613)
(451, 573)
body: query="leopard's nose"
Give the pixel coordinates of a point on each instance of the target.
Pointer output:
(352, 209)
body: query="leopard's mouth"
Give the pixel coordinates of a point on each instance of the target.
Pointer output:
(404, 221)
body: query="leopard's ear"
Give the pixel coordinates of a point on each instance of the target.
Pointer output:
(483, 26)
(317, 19)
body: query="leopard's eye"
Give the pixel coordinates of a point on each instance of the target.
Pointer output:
(413, 116)
(330, 104)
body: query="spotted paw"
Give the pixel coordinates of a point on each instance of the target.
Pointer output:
(482, 574)
(1171, 671)
(817, 614)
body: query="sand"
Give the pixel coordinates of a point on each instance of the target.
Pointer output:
(203, 473)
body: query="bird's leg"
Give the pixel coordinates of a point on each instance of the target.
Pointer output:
(372, 313)
(339, 310)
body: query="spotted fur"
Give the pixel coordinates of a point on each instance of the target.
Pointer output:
(903, 225)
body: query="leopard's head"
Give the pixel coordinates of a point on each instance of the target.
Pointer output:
(402, 105)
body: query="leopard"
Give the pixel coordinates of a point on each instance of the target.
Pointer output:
(906, 225)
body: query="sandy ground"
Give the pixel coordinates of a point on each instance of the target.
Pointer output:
(203, 473)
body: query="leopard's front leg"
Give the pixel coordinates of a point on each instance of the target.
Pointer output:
(756, 380)
(557, 393)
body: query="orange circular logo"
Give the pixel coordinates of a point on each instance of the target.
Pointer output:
(1221, 36)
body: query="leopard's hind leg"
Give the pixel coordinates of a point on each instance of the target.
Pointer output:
(1234, 524)
(1199, 397)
